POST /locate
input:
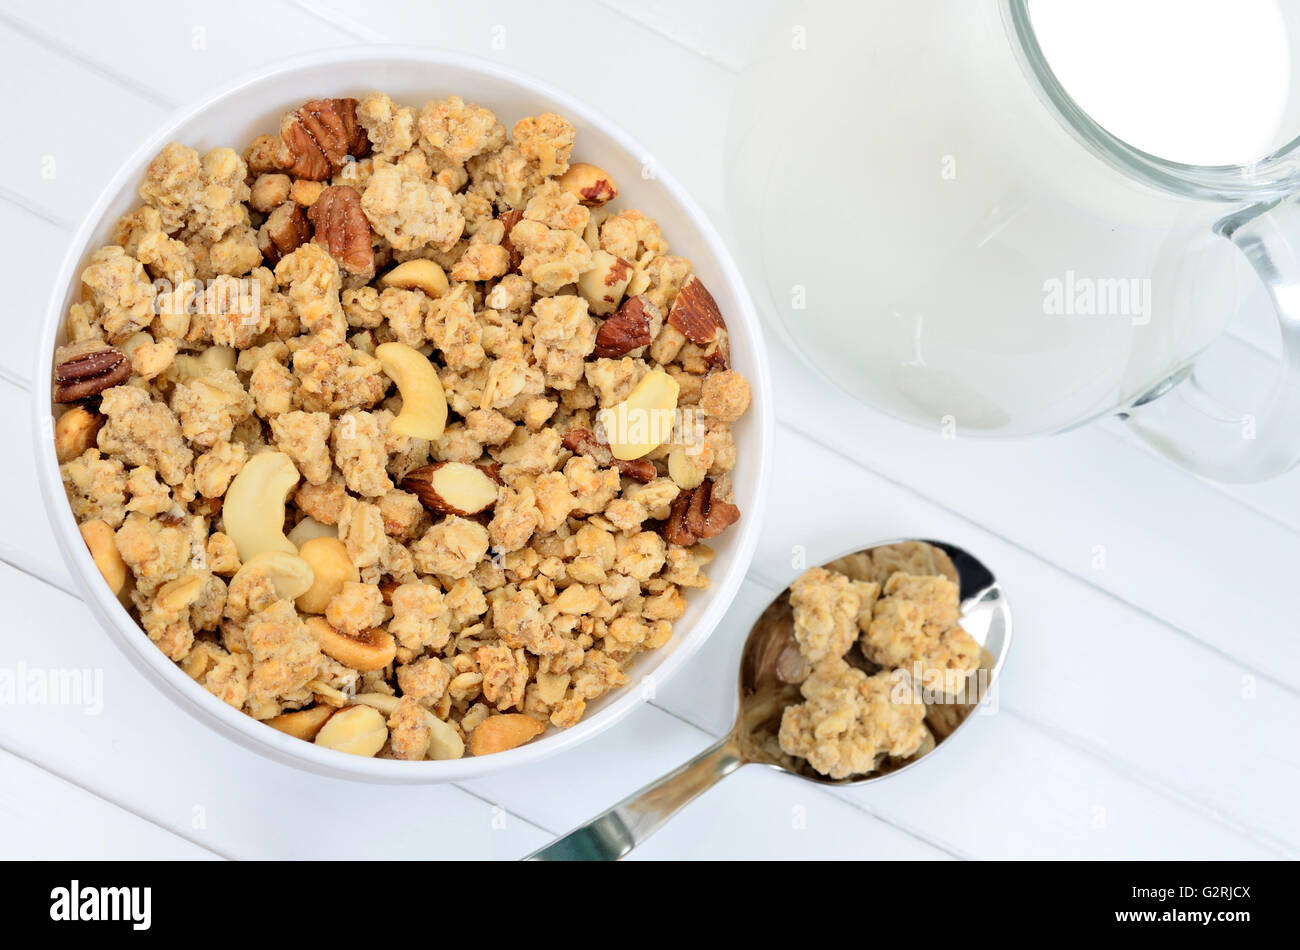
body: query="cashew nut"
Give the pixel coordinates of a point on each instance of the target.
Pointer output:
(417, 274)
(644, 420)
(103, 549)
(331, 567)
(290, 575)
(424, 404)
(253, 511)
(358, 730)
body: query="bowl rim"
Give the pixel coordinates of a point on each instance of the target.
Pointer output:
(237, 725)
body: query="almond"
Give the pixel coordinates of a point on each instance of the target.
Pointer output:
(603, 283)
(302, 724)
(624, 331)
(452, 488)
(644, 420)
(695, 313)
(504, 731)
(590, 184)
(510, 219)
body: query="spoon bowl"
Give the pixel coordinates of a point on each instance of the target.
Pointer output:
(768, 684)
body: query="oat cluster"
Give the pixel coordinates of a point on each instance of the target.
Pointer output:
(904, 623)
(336, 425)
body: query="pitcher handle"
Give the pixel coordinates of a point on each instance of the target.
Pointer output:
(1224, 446)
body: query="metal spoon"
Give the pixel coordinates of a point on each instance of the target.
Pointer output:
(764, 694)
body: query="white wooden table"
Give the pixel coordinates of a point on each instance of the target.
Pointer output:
(1150, 705)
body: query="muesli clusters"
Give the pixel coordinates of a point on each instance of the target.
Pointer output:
(392, 431)
(906, 627)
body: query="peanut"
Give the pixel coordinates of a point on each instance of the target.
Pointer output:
(331, 568)
(100, 540)
(503, 731)
(177, 595)
(357, 730)
(74, 432)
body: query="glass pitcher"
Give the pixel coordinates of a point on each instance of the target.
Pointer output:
(945, 234)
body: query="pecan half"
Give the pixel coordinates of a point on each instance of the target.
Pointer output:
(624, 331)
(284, 229)
(88, 368)
(342, 226)
(585, 442)
(320, 135)
(695, 313)
(510, 219)
(696, 515)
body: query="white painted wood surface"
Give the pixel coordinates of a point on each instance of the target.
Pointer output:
(1150, 705)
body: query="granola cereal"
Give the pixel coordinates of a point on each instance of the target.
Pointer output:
(536, 303)
(915, 650)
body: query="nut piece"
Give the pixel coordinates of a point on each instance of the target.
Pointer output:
(625, 331)
(284, 229)
(177, 595)
(644, 420)
(695, 313)
(424, 404)
(417, 274)
(357, 730)
(343, 227)
(504, 731)
(302, 724)
(452, 488)
(697, 515)
(320, 136)
(103, 550)
(508, 221)
(584, 442)
(602, 284)
(381, 701)
(253, 511)
(74, 432)
(590, 184)
(309, 528)
(369, 650)
(331, 569)
(289, 574)
(87, 368)
(444, 741)
(684, 472)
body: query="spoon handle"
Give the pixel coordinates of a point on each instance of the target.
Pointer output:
(611, 835)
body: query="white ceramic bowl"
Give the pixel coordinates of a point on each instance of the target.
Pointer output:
(413, 75)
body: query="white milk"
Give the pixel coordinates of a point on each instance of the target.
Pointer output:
(923, 224)
(1203, 82)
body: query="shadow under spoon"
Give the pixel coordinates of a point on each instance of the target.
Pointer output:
(764, 694)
